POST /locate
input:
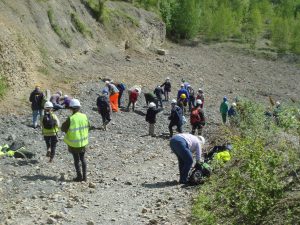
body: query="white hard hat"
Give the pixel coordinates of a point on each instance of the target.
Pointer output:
(202, 140)
(181, 85)
(278, 103)
(107, 82)
(198, 102)
(75, 103)
(233, 104)
(173, 101)
(152, 105)
(168, 78)
(48, 105)
(66, 96)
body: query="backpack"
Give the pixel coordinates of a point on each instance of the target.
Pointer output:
(122, 87)
(102, 102)
(195, 116)
(49, 122)
(198, 174)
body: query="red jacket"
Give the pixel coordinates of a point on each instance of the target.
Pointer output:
(133, 96)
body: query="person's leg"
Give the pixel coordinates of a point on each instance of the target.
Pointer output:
(133, 106)
(151, 129)
(48, 145)
(171, 129)
(35, 114)
(193, 128)
(54, 141)
(77, 166)
(120, 98)
(179, 128)
(224, 115)
(180, 147)
(161, 103)
(83, 163)
(129, 103)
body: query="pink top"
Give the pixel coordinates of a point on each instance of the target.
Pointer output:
(193, 143)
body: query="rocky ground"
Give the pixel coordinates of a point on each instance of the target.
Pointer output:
(129, 173)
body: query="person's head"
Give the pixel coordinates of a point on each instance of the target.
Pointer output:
(59, 93)
(182, 85)
(152, 105)
(183, 96)
(202, 140)
(198, 102)
(107, 83)
(189, 86)
(48, 106)
(233, 104)
(168, 79)
(66, 96)
(224, 99)
(37, 87)
(228, 146)
(200, 91)
(75, 105)
(277, 103)
(104, 92)
(136, 90)
(173, 103)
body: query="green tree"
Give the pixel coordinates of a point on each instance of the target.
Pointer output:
(281, 34)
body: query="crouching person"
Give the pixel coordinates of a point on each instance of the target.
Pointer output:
(151, 117)
(183, 145)
(76, 128)
(50, 124)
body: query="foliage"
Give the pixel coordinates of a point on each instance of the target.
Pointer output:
(244, 190)
(63, 35)
(3, 86)
(80, 26)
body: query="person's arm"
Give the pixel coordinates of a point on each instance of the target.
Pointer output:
(198, 151)
(31, 97)
(66, 125)
(57, 120)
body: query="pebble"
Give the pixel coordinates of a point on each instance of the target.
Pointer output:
(92, 185)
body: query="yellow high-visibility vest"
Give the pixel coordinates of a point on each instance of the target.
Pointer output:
(78, 133)
(50, 132)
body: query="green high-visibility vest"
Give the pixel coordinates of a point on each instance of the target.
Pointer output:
(78, 133)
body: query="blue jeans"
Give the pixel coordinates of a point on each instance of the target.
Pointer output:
(185, 159)
(35, 114)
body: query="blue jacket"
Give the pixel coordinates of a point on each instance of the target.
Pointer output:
(183, 91)
(176, 116)
(231, 112)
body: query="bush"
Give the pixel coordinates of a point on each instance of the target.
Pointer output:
(80, 26)
(63, 35)
(281, 34)
(244, 190)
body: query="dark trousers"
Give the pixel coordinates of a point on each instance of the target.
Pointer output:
(78, 155)
(191, 102)
(185, 159)
(120, 97)
(51, 142)
(133, 105)
(105, 117)
(159, 100)
(197, 126)
(171, 125)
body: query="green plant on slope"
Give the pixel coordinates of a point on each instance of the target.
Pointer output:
(3, 86)
(80, 26)
(63, 35)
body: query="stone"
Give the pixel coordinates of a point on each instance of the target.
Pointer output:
(90, 222)
(161, 51)
(92, 185)
(128, 183)
(51, 220)
(153, 221)
(144, 210)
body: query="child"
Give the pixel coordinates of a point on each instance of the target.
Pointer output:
(151, 117)
(50, 124)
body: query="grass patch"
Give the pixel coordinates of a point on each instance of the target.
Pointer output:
(3, 86)
(80, 26)
(65, 38)
(43, 70)
(261, 174)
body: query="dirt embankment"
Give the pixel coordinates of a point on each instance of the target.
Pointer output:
(62, 40)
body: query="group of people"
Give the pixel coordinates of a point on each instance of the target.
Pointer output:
(77, 125)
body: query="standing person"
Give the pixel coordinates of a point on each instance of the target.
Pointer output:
(133, 97)
(197, 118)
(158, 91)
(167, 88)
(191, 99)
(76, 128)
(104, 109)
(182, 102)
(151, 117)
(36, 99)
(175, 118)
(113, 96)
(55, 99)
(183, 145)
(50, 126)
(224, 109)
(200, 95)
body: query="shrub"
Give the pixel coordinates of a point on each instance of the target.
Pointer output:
(80, 26)
(281, 34)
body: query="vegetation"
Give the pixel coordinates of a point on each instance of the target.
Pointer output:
(221, 20)
(251, 187)
(63, 35)
(80, 26)
(3, 86)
